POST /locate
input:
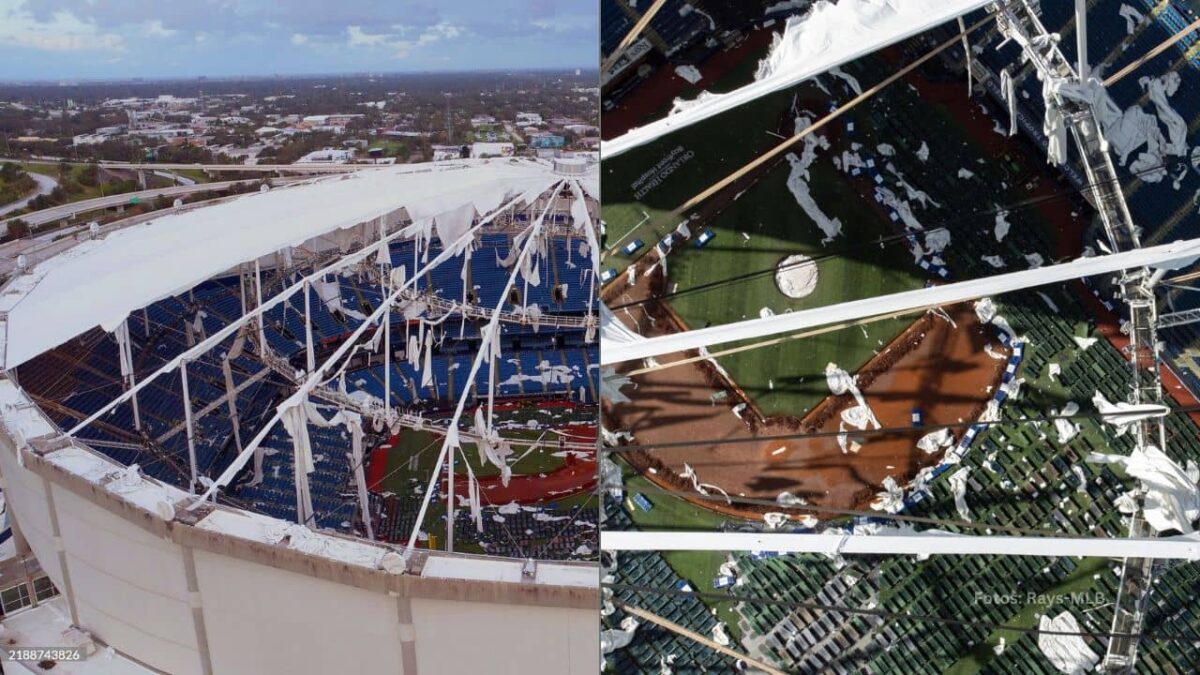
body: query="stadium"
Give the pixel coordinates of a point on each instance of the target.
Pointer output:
(837, 432)
(346, 425)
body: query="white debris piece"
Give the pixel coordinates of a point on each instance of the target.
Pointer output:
(1085, 342)
(1049, 302)
(1002, 225)
(848, 78)
(1172, 500)
(958, 486)
(891, 498)
(1070, 654)
(965, 174)
(857, 416)
(1160, 89)
(1133, 18)
(923, 152)
(797, 182)
(1122, 414)
(775, 520)
(1066, 428)
(613, 639)
(936, 241)
(935, 441)
(1055, 371)
(689, 73)
(719, 635)
(703, 488)
(991, 351)
(994, 260)
(903, 208)
(841, 382)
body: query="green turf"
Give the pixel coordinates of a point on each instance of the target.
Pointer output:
(699, 568)
(716, 149)
(1079, 581)
(428, 444)
(398, 478)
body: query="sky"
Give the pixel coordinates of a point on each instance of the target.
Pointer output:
(116, 39)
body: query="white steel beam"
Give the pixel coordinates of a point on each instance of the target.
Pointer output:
(1173, 256)
(914, 543)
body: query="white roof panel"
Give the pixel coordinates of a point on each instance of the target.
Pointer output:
(99, 282)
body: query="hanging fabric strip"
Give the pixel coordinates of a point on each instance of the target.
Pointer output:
(353, 422)
(123, 352)
(1009, 91)
(966, 45)
(427, 369)
(231, 399)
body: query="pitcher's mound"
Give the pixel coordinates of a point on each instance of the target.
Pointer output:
(796, 276)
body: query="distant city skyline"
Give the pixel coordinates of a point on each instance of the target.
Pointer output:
(88, 40)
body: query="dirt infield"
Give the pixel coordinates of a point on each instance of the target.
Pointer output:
(934, 366)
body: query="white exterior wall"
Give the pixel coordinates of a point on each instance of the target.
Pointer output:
(505, 639)
(265, 620)
(130, 589)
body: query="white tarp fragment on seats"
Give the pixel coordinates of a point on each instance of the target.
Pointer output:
(1172, 500)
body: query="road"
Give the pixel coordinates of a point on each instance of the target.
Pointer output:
(176, 178)
(260, 168)
(47, 244)
(72, 209)
(44, 185)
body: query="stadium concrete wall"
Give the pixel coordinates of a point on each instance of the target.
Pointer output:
(189, 601)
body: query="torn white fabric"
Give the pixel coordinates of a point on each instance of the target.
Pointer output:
(1172, 500)
(1068, 653)
(958, 487)
(829, 35)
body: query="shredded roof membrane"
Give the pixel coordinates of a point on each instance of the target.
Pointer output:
(826, 37)
(105, 279)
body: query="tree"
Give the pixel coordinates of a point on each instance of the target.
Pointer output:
(18, 228)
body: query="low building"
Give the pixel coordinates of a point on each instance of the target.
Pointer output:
(492, 149)
(528, 118)
(327, 156)
(541, 141)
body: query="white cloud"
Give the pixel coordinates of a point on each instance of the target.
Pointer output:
(400, 42)
(155, 28)
(299, 38)
(565, 24)
(63, 32)
(441, 31)
(357, 37)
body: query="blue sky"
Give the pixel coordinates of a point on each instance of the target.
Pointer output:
(55, 39)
